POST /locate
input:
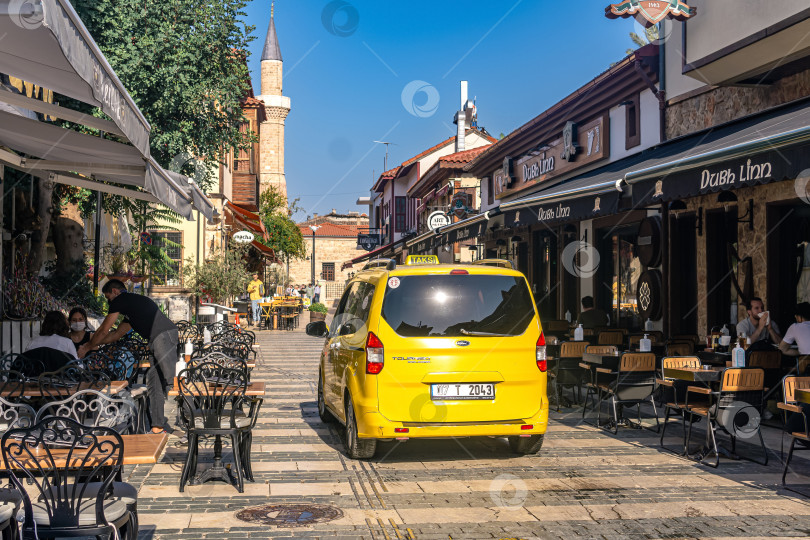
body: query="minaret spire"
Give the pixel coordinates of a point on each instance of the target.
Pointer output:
(272, 8)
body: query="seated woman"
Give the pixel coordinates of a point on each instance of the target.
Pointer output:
(52, 347)
(80, 331)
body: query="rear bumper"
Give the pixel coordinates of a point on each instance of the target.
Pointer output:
(373, 425)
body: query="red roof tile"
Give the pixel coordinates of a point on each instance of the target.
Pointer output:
(252, 101)
(331, 229)
(464, 157)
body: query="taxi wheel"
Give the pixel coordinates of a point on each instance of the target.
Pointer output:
(526, 445)
(323, 411)
(356, 447)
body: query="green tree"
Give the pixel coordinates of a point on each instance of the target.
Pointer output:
(184, 64)
(284, 236)
(223, 276)
(650, 36)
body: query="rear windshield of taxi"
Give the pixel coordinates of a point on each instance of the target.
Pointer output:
(457, 305)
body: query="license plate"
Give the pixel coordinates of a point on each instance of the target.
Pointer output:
(462, 391)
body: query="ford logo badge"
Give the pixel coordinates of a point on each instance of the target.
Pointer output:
(462, 343)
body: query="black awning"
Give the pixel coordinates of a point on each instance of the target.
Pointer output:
(571, 208)
(424, 243)
(768, 147)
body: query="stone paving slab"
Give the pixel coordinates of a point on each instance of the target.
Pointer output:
(586, 483)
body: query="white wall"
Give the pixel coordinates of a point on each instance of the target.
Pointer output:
(720, 23)
(650, 127)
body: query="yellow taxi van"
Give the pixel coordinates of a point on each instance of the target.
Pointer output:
(428, 350)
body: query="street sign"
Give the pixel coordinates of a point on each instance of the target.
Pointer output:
(368, 241)
(438, 219)
(243, 237)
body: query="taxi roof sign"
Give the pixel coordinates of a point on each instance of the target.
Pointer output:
(422, 259)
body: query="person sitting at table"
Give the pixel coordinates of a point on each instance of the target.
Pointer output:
(80, 331)
(798, 333)
(591, 317)
(294, 292)
(52, 347)
(758, 328)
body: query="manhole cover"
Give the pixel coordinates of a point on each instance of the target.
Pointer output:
(290, 515)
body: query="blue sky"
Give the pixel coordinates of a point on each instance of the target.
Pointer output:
(347, 63)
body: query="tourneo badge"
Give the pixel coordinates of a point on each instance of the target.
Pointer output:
(462, 343)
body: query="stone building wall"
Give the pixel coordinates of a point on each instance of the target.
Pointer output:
(327, 249)
(724, 104)
(751, 243)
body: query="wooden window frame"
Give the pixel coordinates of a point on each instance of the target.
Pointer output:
(632, 119)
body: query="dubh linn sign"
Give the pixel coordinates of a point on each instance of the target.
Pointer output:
(650, 12)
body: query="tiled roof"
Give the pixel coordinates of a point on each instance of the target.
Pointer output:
(330, 229)
(464, 157)
(252, 101)
(445, 143)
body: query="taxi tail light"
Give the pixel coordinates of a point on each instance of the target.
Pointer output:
(541, 353)
(458, 273)
(375, 358)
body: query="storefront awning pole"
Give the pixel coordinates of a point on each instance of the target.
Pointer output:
(97, 251)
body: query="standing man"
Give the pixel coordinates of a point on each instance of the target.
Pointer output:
(316, 293)
(758, 327)
(255, 289)
(143, 315)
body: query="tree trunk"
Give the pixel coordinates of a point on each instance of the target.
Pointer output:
(44, 210)
(68, 235)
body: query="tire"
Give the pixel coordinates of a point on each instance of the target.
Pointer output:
(357, 448)
(526, 445)
(323, 411)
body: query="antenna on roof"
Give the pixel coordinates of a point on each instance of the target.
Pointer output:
(386, 152)
(272, 8)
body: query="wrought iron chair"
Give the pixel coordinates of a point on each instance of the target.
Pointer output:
(211, 398)
(56, 385)
(93, 408)
(734, 409)
(632, 384)
(64, 461)
(30, 367)
(673, 396)
(12, 385)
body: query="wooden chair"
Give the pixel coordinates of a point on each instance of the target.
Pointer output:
(633, 384)
(694, 338)
(611, 337)
(744, 385)
(765, 359)
(790, 407)
(680, 348)
(566, 372)
(674, 392)
(589, 375)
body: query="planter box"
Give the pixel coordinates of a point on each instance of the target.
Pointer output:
(314, 316)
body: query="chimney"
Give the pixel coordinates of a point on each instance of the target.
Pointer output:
(461, 120)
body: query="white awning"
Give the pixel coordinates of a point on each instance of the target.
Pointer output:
(61, 150)
(45, 43)
(198, 199)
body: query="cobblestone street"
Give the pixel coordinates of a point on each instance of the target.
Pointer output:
(584, 483)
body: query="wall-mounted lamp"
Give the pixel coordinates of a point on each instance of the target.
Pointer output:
(728, 198)
(517, 238)
(500, 242)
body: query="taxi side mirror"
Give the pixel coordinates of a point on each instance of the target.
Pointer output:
(317, 329)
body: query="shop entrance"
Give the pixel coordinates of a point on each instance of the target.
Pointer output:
(788, 247)
(619, 271)
(544, 274)
(721, 296)
(683, 312)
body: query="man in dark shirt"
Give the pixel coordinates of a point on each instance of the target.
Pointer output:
(591, 317)
(143, 315)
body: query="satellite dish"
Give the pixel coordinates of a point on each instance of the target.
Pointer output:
(243, 237)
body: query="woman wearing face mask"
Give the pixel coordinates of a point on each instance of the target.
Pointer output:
(80, 332)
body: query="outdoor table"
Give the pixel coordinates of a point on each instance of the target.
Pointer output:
(254, 389)
(610, 360)
(693, 374)
(139, 449)
(33, 390)
(714, 357)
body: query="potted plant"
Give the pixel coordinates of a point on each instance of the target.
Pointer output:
(317, 312)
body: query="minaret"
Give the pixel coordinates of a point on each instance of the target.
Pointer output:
(277, 106)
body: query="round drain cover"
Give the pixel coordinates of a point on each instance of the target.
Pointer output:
(290, 515)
